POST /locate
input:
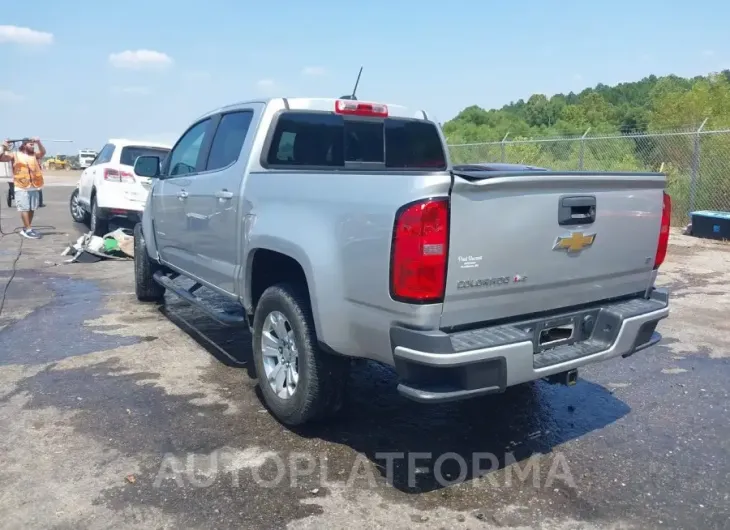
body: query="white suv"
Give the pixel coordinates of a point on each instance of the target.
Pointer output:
(110, 188)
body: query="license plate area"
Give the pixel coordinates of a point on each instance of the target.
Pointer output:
(562, 330)
(555, 332)
(555, 335)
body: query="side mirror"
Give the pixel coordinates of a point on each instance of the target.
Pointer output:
(147, 166)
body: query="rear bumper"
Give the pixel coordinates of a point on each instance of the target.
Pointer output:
(435, 366)
(134, 216)
(117, 203)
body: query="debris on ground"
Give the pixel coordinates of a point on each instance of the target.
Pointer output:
(116, 245)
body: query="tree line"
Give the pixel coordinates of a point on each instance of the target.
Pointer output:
(629, 114)
(652, 104)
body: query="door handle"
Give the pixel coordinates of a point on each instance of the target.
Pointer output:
(182, 195)
(224, 195)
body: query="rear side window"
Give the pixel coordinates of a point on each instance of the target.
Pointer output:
(228, 139)
(130, 153)
(320, 139)
(105, 155)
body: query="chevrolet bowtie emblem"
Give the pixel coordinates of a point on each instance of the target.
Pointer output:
(574, 242)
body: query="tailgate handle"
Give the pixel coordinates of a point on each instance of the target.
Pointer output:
(577, 210)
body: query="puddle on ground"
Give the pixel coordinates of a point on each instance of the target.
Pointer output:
(56, 330)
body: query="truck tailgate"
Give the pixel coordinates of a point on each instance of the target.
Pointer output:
(529, 242)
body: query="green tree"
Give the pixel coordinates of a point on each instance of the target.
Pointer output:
(708, 98)
(538, 111)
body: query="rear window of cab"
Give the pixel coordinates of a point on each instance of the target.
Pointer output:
(329, 140)
(130, 153)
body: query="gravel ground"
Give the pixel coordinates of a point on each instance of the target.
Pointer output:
(115, 414)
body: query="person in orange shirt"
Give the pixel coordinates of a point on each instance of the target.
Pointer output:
(27, 180)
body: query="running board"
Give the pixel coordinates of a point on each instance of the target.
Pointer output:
(231, 317)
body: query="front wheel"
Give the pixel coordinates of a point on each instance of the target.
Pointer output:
(299, 382)
(78, 214)
(97, 225)
(145, 286)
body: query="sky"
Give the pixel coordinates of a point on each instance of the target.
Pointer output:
(89, 71)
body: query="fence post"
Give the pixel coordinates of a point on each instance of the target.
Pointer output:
(502, 147)
(582, 148)
(695, 167)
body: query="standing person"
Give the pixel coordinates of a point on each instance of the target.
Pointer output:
(11, 195)
(27, 180)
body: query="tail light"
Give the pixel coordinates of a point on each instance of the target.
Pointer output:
(419, 252)
(115, 175)
(661, 249)
(358, 108)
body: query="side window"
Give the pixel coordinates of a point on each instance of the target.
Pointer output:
(184, 157)
(104, 156)
(109, 153)
(98, 156)
(228, 139)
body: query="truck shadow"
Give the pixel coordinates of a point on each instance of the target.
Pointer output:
(460, 442)
(431, 446)
(229, 346)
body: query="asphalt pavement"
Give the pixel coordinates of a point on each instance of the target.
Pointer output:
(116, 414)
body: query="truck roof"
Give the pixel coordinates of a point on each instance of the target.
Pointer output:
(322, 105)
(122, 142)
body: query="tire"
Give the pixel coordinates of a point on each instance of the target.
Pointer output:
(145, 287)
(97, 225)
(78, 214)
(322, 377)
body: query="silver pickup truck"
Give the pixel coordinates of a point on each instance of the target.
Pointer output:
(339, 229)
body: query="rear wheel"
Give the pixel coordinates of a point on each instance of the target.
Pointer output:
(145, 286)
(299, 382)
(97, 225)
(78, 213)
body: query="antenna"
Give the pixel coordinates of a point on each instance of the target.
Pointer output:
(354, 90)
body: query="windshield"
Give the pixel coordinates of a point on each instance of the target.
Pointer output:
(130, 153)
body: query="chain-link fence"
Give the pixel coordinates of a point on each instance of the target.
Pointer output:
(697, 163)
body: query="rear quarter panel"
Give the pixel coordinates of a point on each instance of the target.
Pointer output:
(339, 226)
